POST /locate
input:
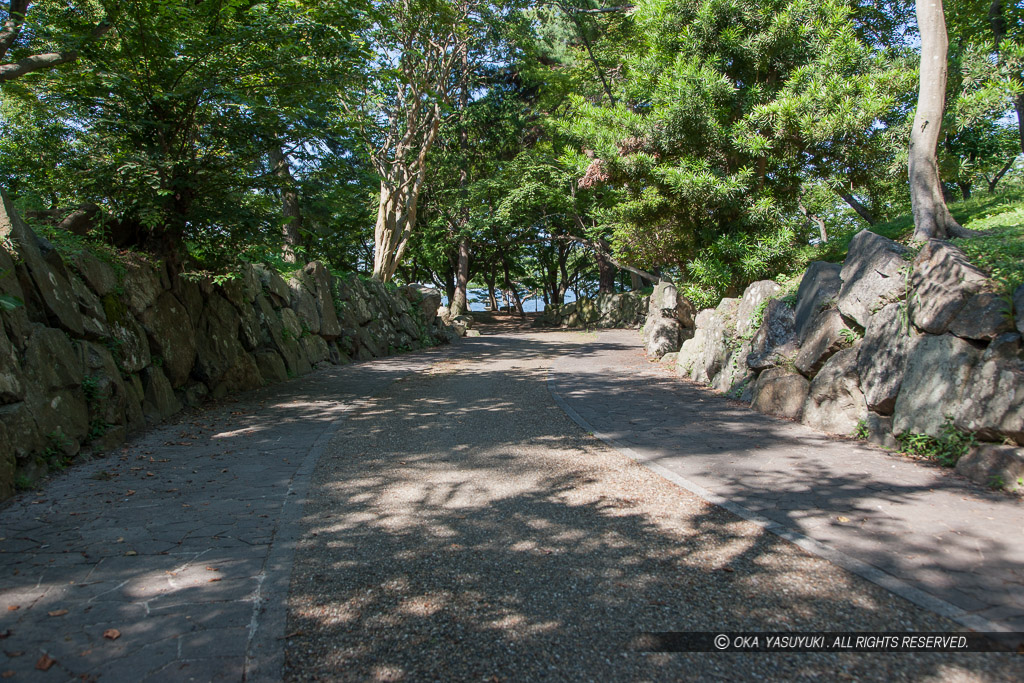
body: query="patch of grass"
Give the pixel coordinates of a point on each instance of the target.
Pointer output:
(1000, 250)
(947, 448)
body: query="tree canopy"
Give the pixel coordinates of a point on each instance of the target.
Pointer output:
(540, 147)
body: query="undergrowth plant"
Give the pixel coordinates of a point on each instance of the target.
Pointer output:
(947, 448)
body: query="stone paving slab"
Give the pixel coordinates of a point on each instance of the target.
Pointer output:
(182, 540)
(915, 528)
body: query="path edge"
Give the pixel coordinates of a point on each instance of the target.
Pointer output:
(862, 569)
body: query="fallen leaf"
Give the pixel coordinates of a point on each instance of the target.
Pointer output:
(131, 553)
(843, 519)
(13, 608)
(14, 653)
(213, 569)
(215, 578)
(45, 662)
(111, 634)
(727, 568)
(130, 493)
(58, 612)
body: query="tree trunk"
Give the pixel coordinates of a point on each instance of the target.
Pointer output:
(512, 289)
(861, 210)
(965, 188)
(999, 176)
(460, 304)
(931, 215)
(635, 283)
(291, 231)
(816, 220)
(605, 273)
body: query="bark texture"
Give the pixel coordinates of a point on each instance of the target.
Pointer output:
(932, 219)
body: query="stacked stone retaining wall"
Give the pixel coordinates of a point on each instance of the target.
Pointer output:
(98, 349)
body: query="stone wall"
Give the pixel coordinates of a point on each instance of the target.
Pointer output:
(626, 309)
(890, 342)
(97, 351)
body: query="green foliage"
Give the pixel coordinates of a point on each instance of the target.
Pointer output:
(947, 448)
(860, 432)
(999, 251)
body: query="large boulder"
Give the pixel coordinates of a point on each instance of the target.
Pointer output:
(834, 402)
(985, 316)
(426, 300)
(12, 379)
(159, 401)
(667, 299)
(689, 361)
(992, 405)
(143, 283)
(271, 366)
(283, 337)
(323, 285)
(775, 340)
(782, 392)
(995, 466)
(819, 289)
(105, 392)
(171, 337)
(101, 277)
(938, 370)
(734, 374)
(273, 285)
(303, 302)
(753, 301)
(874, 274)
(942, 280)
(888, 342)
(94, 317)
(217, 344)
(825, 337)
(720, 331)
(662, 335)
(47, 277)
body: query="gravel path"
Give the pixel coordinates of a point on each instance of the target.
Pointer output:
(460, 527)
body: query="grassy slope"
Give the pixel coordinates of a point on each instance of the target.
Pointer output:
(999, 251)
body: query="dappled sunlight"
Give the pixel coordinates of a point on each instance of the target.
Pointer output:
(507, 527)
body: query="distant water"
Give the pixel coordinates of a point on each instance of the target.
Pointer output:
(479, 296)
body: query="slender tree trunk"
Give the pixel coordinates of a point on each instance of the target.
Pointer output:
(965, 188)
(635, 283)
(861, 210)
(512, 289)
(999, 176)
(816, 220)
(931, 215)
(291, 231)
(460, 303)
(605, 273)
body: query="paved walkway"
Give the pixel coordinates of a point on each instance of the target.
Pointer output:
(920, 530)
(510, 536)
(170, 559)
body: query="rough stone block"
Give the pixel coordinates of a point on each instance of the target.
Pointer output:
(782, 392)
(995, 466)
(835, 402)
(874, 274)
(942, 281)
